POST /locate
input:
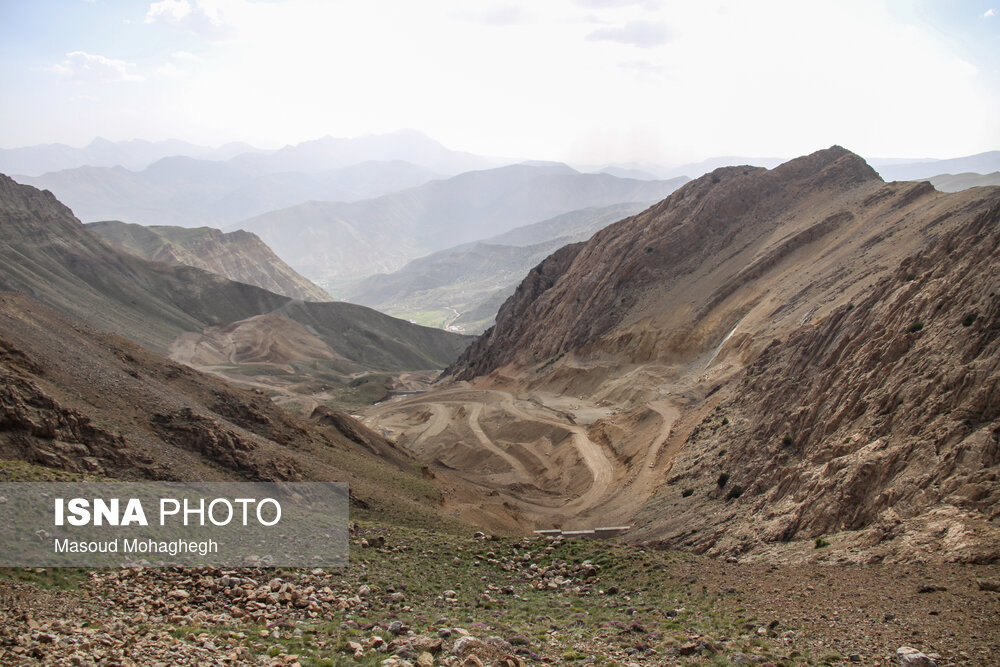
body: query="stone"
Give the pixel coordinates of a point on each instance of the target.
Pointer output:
(911, 657)
(426, 644)
(688, 649)
(464, 645)
(991, 585)
(425, 659)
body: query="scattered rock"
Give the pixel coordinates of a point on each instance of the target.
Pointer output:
(911, 657)
(991, 585)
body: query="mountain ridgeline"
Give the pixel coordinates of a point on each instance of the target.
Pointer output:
(337, 241)
(464, 286)
(48, 254)
(239, 255)
(832, 343)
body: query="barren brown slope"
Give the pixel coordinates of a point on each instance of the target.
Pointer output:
(876, 429)
(75, 399)
(654, 320)
(239, 255)
(746, 248)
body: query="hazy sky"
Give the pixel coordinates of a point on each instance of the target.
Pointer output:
(581, 80)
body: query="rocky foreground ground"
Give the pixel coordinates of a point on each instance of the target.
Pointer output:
(420, 598)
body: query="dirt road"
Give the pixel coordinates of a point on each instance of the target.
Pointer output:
(553, 472)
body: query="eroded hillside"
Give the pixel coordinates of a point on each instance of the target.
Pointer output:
(733, 291)
(78, 400)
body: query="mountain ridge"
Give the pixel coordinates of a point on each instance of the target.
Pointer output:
(764, 359)
(328, 241)
(48, 254)
(240, 256)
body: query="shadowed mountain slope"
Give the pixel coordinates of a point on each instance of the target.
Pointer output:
(239, 256)
(78, 400)
(49, 255)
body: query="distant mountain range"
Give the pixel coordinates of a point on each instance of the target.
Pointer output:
(134, 154)
(308, 157)
(958, 182)
(462, 287)
(189, 192)
(333, 153)
(337, 241)
(981, 163)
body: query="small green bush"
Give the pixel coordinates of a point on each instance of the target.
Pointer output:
(787, 440)
(915, 327)
(969, 319)
(723, 478)
(820, 543)
(686, 492)
(735, 492)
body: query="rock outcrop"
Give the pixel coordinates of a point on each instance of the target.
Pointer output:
(880, 420)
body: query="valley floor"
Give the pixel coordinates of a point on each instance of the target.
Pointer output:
(519, 456)
(415, 594)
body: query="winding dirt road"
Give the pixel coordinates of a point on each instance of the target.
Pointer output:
(579, 479)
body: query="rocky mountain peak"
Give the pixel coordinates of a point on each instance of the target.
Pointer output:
(615, 277)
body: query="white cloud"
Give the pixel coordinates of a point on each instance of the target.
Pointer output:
(990, 13)
(186, 56)
(170, 70)
(643, 34)
(506, 15)
(168, 10)
(83, 67)
(210, 19)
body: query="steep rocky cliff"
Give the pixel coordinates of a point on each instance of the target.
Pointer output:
(690, 251)
(882, 418)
